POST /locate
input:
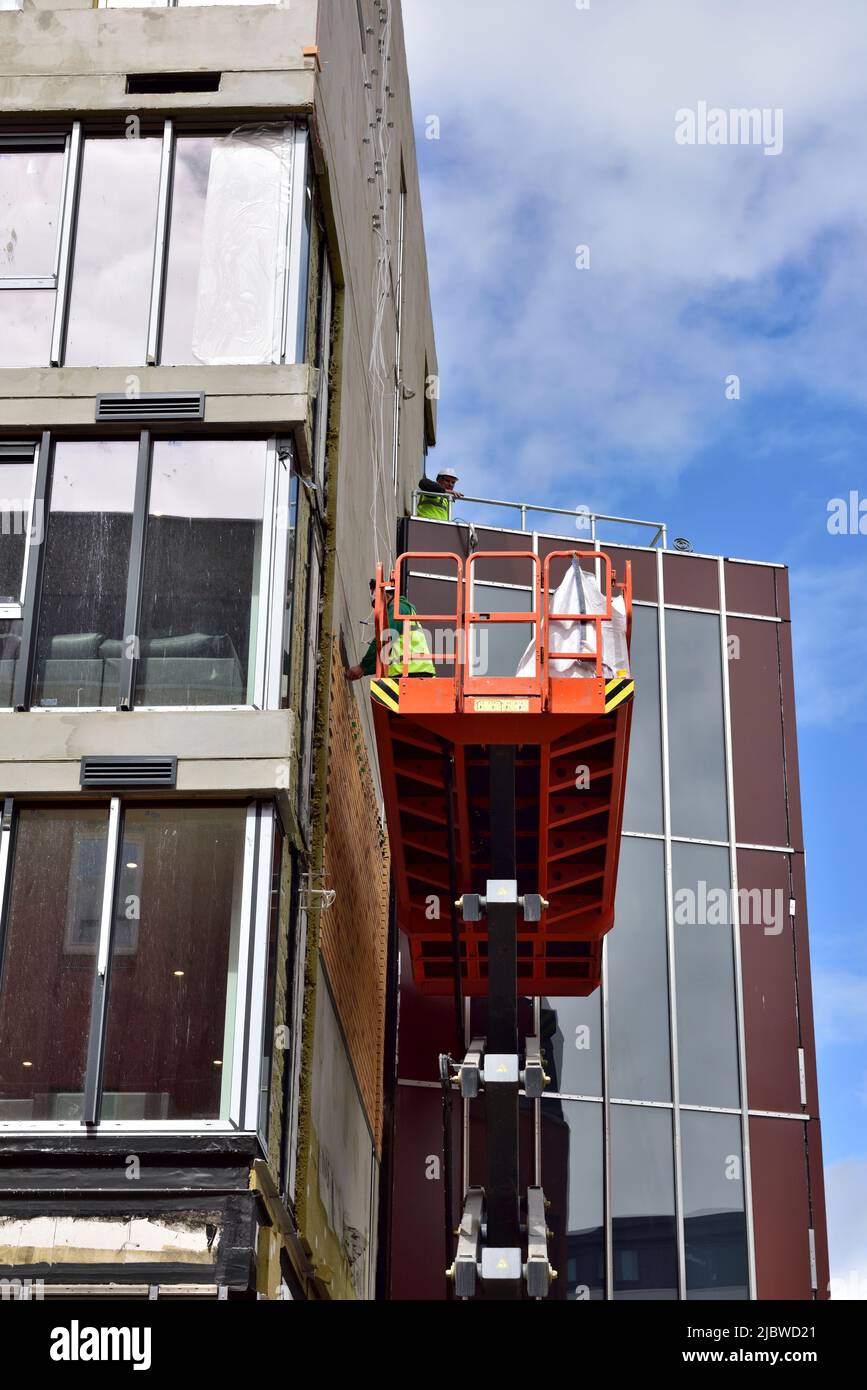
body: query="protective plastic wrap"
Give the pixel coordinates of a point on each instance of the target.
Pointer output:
(579, 593)
(244, 248)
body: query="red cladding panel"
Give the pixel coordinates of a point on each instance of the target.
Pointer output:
(781, 1208)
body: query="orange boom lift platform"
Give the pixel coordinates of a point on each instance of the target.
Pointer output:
(504, 800)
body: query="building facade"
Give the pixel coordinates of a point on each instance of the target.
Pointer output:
(679, 1140)
(215, 356)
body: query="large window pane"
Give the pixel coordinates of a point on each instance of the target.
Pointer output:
(174, 964)
(16, 483)
(572, 1177)
(114, 249)
(52, 931)
(695, 726)
(10, 651)
(713, 1206)
(85, 577)
(704, 967)
(227, 247)
(639, 1065)
(642, 1198)
(200, 605)
(30, 184)
(643, 807)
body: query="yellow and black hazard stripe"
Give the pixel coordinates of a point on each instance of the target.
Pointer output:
(617, 692)
(387, 692)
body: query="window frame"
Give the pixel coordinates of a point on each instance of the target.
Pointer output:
(288, 323)
(251, 1006)
(273, 579)
(19, 453)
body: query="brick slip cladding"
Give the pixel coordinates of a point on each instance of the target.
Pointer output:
(354, 931)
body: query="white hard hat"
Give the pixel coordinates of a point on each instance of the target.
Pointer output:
(447, 473)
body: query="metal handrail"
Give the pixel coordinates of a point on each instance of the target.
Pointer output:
(659, 528)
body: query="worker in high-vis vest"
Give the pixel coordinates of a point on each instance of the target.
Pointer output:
(419, 663)
(435, 501)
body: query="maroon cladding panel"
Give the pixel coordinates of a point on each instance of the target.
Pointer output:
(817, 1198)
(691, 581)
(781, 581)
(643, 570)
(770, 995)
(781, 1208)
(418, 1253)
(805, 989)
(790, 736)
(751, 589)
(426, 1026)
(757, 733)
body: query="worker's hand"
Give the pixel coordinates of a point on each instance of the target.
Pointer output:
(353, 673)
(458, 494)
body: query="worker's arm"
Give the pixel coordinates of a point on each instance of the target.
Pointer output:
(431, 485)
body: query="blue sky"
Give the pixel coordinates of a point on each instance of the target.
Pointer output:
(606, 386)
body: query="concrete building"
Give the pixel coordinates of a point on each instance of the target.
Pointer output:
(679, 1142)
(216, 387)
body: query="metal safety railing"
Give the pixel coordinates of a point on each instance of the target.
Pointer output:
(589, 519)
(465, 618)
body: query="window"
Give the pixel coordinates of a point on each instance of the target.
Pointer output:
(642, 1203)
(175, 248)
(132, 920)
(162, 580)
(695, 726)
(31, 190)
(17, 469)
(713, 1206)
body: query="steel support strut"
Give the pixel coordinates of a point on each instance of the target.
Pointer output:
(501, 1101)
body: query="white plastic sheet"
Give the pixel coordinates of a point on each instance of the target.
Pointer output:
(244, 244)
(579, 593)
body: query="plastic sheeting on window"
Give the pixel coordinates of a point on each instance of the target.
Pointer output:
(239, 302)
(579, 593)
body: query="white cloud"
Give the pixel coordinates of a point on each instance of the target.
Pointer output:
(846, 1198)
(560, 133)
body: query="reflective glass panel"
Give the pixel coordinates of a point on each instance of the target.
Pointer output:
(571, 1036)
(16, 484)
(642, 1198)
(26, 320)
(695, 726)
(572, 1177)
(638, 1030)
(200, 597)
(30, 187)
(713, 1206)
(114, 252)
(174, 963)
(643, 807)
(84, 583)
(704, 968)
(52, 932)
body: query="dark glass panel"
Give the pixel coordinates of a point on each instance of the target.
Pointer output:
(10, 651)
(704, 966)
(16, 485)
(81, 617)
(713, 1206)
(643, 807)
(642, 1203)
(200, 596)
(571, 1032)
(572, 1178)
(52, 933)
(172, 997)
(640, 1054)
(695, 726)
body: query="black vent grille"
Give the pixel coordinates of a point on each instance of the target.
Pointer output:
(129, 772)
(153, 405)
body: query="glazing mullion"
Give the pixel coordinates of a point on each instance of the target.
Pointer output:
(161, 241)
(736, 936)
(130, 653)
(36, 560)
(669, 928)
(29, 541)
(99, 1000)
(66, 247)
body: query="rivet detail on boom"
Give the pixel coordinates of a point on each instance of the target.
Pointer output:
(616, 692)
(387, 692)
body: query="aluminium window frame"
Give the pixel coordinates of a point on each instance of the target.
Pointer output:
(250, 1010)
(266, 663)
(11, 452)
(289, 313)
